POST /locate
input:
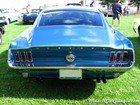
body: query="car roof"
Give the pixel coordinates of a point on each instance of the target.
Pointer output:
(82, 8)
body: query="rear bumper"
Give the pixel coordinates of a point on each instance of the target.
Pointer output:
(3, 30)
(30, 67)
(28, 21)
(110, 14)
(106, 69)
(85, 74)
(2, 23)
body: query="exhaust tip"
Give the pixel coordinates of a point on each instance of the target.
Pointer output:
(98, 80)
(104, 80)
(25, 75)
(117, 75)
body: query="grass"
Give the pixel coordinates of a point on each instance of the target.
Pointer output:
(15, 90)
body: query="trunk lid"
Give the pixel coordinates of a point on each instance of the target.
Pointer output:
(74, 36)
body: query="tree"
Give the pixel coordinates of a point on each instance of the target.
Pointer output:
(109, 2)
(135, 3)
(81, 1)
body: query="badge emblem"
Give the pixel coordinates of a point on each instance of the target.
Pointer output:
(70, 57)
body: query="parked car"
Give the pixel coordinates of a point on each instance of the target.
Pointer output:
(74, 4)
(71, 43)
(30, 17)
(2, 30)
(8, 15)
(108, 12)
(136, 25)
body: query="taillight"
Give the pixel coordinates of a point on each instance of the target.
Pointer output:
(124, 58)
(118, 56)
(111, 56)
(29, 56)
(23, 56)
(16, 56)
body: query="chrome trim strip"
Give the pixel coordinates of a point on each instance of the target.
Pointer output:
(70, 67)
(70, 46)
(133, 56)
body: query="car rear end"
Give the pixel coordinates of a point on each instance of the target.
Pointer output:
(59, 49)
(79, 61)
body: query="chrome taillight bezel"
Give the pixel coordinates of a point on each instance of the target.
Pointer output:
(16, 55)
(29, 56)
(125, 56)
(118, 56)
(111, 56)
(23, 56)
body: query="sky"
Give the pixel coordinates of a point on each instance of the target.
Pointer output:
(33, 3)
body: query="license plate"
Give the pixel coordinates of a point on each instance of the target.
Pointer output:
(31, 20)
(70, 74)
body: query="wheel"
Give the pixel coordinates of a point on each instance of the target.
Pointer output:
(0, 37)
(139, 30)
(107, 15)
(23, 23)
(8, 21)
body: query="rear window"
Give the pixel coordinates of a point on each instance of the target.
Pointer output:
(36, 10)
(71, 18)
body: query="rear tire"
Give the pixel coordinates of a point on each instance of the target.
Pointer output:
(107, 15)
(0, 37)
(23, 23)
(139, 30)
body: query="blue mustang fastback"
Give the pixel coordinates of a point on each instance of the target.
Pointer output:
(31, 17)
(71, 43)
